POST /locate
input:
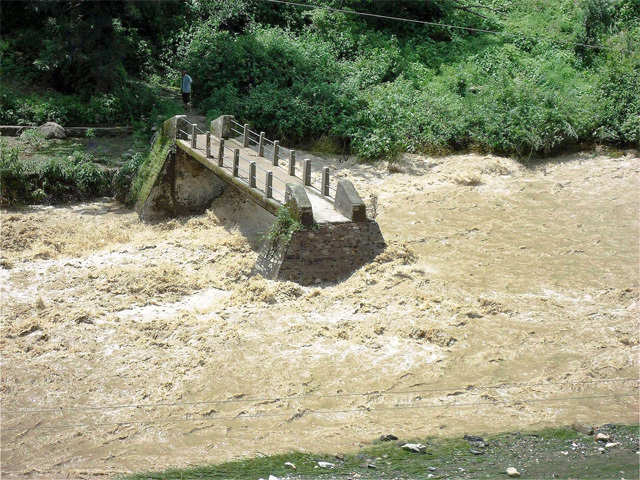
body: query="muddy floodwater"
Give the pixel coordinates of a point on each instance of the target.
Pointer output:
(507, 299)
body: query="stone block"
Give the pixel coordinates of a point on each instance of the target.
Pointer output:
(349, 203)
(297, 199)
(221, 126)
(170, 126)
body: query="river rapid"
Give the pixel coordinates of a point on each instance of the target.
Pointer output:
(507, 299)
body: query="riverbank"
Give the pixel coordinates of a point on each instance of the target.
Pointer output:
(555, 453)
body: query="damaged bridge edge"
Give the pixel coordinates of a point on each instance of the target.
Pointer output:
(325, 252)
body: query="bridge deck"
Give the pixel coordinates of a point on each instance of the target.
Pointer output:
(323, 208)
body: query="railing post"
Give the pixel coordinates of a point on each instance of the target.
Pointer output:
(194, 138)
(252, 174)
(325, 181)
(306, 171)
(292, 163)
(236, 162)
(221, 153)
(208, 144)
(245, 138)
(261, 145)
(268, 188)
(276, 150)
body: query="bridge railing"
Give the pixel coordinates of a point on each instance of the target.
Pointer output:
(318, 181)
(231, 160)
(247, 171)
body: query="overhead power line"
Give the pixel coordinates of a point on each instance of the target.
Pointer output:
(450, 389)
(436, 24)
(324, 412)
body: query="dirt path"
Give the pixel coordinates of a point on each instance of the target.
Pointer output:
(113, 331)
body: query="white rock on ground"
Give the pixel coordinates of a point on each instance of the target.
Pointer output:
(602, 437)
(415, 447)
(52, 130)
(512, 472)
(612, 444)
(290, 465)
(326, 465)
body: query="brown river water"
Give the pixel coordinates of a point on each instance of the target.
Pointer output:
(507, 299)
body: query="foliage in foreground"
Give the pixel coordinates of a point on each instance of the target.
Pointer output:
(76, 177)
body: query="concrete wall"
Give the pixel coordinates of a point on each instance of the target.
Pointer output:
(331, 252)
(183, 187)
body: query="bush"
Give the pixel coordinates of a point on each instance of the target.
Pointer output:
(135, 102)
(123, 179)
(15, 184)
(77, 177)
(33, 138)
(338, 78)
(283, 228)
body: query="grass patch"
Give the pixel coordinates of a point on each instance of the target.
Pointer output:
(537, 455)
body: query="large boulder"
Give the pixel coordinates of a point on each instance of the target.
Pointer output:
(52, 130)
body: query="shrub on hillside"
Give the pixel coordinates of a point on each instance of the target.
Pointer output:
(76, 177)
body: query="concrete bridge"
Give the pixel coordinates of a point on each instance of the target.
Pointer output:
(189, 167)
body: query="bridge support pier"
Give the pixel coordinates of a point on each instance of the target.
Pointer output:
(183, 186)
(329, 252)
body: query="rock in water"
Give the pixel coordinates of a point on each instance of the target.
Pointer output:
(415, 447)
(52, 130)
(512, 472)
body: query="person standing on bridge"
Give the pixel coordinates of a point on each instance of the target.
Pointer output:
(186, 88)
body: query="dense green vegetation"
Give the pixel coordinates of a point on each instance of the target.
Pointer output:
(537, 455)
(57, 179)
(86, 62)
(36, 170)
(373, 86)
